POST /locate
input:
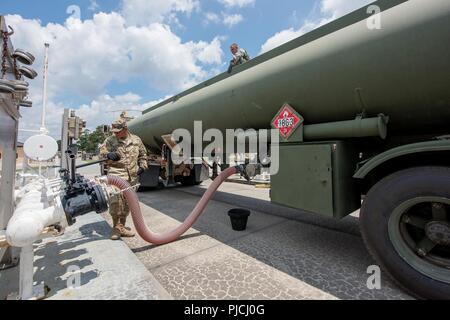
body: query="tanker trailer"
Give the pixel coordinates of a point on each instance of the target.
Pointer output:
(363, 115)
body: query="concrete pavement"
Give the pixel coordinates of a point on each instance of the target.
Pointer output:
(283, 254)
(84, 264)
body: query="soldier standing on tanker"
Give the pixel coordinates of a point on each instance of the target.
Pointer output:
(127, 157)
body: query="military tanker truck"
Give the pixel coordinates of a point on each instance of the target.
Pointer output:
(364, 124)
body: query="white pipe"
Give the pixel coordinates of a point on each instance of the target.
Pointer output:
(37, 207)
(32, 187)
(27, 227)
(32, 215)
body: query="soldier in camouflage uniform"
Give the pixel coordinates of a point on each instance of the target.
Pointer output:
(127, 157)
(240, 56)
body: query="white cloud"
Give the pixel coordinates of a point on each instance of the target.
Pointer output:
(144, 12)
(211, 17)
(86, 56)
(104, 109)
(207, 53)
(232, 19)
(338, 8)
(288, 35)
(330, 10)
(237, 3)
(229, 20)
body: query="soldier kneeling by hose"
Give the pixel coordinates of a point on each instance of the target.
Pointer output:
(127, 159)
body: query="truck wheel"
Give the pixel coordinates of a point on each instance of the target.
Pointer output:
(405, 223)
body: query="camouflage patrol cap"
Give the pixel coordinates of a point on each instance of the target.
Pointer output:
(119, 125)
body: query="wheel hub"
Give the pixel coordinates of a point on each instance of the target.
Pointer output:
(419, 230)
(438, 232)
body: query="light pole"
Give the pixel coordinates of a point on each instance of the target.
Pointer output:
(44, 96)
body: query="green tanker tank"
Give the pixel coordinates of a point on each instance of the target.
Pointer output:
(373, 107)
(331, 74)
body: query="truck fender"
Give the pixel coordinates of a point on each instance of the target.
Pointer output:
(365, 168)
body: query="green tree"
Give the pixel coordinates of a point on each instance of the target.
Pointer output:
(90, 140)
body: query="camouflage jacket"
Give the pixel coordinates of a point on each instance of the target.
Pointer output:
(240, 57)
(133, 156)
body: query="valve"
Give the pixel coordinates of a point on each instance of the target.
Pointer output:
(84, 196)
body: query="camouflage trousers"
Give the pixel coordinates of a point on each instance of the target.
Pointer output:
(119, 208)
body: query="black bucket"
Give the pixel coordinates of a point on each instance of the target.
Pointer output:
(239, 219)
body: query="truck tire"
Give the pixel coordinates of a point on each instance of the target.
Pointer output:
(405, 223)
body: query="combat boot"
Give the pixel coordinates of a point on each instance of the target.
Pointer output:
(115, 234)
(124, 222)
(124, 231)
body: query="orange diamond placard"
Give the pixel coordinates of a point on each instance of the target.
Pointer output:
(287, 121)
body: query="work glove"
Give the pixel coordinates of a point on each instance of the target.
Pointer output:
(113, 156)
(140, 171)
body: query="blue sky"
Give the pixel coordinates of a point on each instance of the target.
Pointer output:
(129, 54)
(261, 20)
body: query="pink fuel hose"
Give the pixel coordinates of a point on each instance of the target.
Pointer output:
(138, 219)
